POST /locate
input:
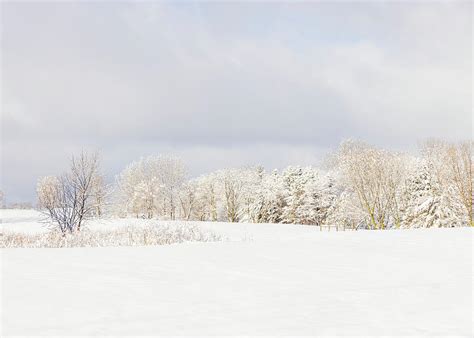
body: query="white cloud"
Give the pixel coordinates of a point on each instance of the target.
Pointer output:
(226, 79)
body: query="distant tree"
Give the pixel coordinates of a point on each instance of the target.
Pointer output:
(150, 187)
(207, 197)
(365, 187)
(171, 174)
(100, 192)
(268, 202)
(21, 205)
(452, 167)
(319, 199)
(188, 200)
(373, 175)
(461, 168)
(273, 198)
(138, 190)
(427, 204)
(2, 199)
(231, 188)
(298, 199)
(346, 212)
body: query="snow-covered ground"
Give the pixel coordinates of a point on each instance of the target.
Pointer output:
(262, 280)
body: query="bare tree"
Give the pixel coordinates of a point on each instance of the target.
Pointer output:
(373, 175)
(460, 162)
(187, 199)
(99, 193)
(68, 199)
(232, 185)
(206, 201)
(171, 174)
(453, 167)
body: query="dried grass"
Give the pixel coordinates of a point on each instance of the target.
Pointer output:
(125, 236)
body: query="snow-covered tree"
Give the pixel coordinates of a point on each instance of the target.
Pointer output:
(150, 187)
(428, 204)
(2, 200)
(48, 192)
(366, 187)
(269, 201)
(294, 180)
(100, 192)
(346, 212)
(188, 200)
(68, 200)
(252, 179)
(460, 165)
(373, 175)
(138, 189)
(171, 174)
(206, 200)
(319, 199)
(235, 187)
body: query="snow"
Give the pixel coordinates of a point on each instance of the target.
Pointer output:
(20, 220)
(264, 280)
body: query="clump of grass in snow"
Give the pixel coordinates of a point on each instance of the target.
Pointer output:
(126, 236)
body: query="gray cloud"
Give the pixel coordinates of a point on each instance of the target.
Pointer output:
(226, 84)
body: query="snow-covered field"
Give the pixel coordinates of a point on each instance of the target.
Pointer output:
(261, 280)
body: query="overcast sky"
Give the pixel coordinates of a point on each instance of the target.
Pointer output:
(226, 84)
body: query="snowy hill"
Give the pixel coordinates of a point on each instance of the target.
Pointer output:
(261, 280)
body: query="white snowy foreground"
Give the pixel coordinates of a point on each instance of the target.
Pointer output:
(262, 280)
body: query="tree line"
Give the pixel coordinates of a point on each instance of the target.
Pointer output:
(360, 186)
